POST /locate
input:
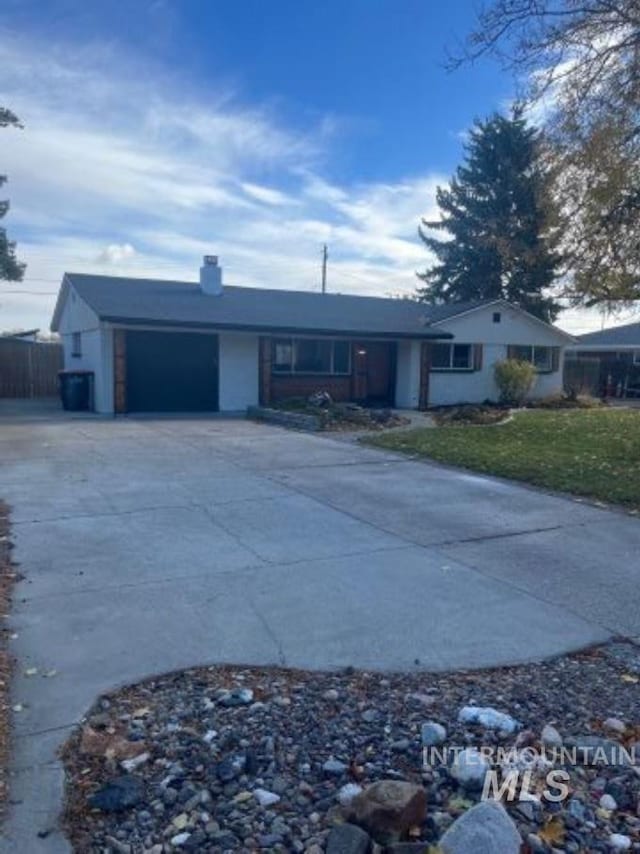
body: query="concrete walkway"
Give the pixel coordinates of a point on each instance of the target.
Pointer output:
(149, 545)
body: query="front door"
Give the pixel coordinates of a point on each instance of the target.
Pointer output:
(374, 367)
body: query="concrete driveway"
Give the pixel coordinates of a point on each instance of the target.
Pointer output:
(149, 545)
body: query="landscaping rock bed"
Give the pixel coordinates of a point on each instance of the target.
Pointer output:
(266, 759)
(321, 413)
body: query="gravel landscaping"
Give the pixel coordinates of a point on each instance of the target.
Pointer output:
(246, 759)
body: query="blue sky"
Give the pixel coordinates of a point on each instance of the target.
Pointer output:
(158, 131)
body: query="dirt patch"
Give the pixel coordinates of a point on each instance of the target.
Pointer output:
(7, 580)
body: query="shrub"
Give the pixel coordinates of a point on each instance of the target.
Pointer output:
(469, 413)
(515, 379)
(566, 401)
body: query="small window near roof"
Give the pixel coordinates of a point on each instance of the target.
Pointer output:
(76, 345)
(497, 317)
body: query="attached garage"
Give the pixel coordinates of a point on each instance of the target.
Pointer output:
(167, 371)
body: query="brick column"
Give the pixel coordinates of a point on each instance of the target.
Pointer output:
(265, 356)
(120, 370)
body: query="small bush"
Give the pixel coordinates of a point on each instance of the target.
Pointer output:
(469, 413)
(515, 379)
(565, 401)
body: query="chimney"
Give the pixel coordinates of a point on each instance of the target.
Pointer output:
(211, 276)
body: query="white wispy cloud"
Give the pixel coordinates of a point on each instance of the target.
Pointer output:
(116, 253)
(124, 168)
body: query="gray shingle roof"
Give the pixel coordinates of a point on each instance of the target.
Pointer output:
(152, 301)
(617, 336)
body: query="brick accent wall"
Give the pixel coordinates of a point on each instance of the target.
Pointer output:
(120, 370)
(265, 390)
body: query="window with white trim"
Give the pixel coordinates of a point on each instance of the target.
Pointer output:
(452, 357)
(540, 357)
(76, 345)
(326, 356)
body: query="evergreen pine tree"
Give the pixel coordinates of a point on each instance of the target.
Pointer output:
(10, 268)
(499, 217)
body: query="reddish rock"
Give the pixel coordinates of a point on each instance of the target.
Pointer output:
(110, 745)
(389, 808)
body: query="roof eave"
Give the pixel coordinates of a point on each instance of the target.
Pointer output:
(63, 293)
(280, 330)
(612, 345)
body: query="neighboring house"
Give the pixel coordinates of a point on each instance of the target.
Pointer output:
(615, 356)
(180, 346)
(23, 335)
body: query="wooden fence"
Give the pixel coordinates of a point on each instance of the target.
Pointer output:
(583, 376)
(29, 368)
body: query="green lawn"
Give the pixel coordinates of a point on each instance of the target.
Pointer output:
(595, 453)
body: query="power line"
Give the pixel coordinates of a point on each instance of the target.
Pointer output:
(325, 254)
(31, 293)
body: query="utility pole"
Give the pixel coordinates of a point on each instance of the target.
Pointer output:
(325, 255)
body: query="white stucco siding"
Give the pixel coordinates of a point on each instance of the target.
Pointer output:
(478, 327)
(515, 327)
(96, 348)
(239, 365)
(408, 375)
(76, 317)
(467, 387)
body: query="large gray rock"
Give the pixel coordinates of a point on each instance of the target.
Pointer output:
(469, 768)
(484, 829)
(348, 839)
(489, 718)
(550, 737)
(595, 750)
(433, 734)
(388, 808)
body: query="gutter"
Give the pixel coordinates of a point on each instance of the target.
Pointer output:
(279, 330)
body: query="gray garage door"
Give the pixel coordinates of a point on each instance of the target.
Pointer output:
(172, 372)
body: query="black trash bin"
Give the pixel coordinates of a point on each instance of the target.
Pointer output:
(76, 390)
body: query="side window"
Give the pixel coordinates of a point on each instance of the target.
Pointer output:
(440, 355)
(282, 355)
(341, 357)
(76, 345)
(312, 356)
(462, 356)
(544, 359)
(455, 357)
